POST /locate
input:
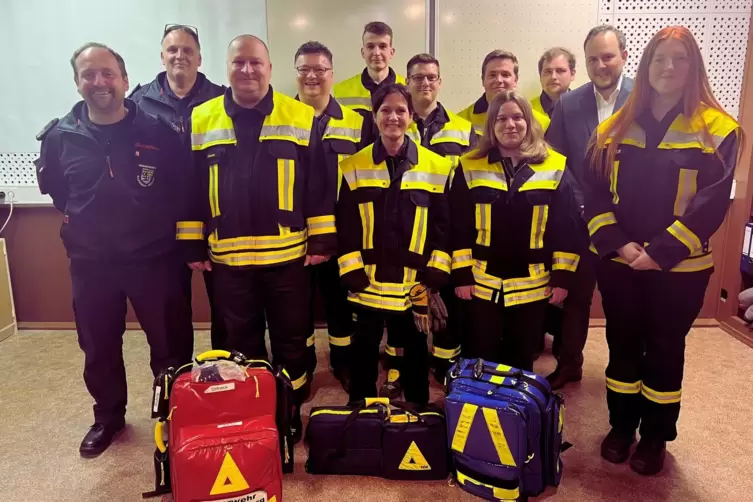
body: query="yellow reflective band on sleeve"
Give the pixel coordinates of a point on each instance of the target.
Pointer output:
(463, 428)
(259, 257)
(600, 221)
(499, 494)
(189, 230)
(299, 382)
(350, 262)
(319, 225)
(440, 260)
(538, 226)
(339, 341)
(565, 261)
(687, 185)
(214, 197)
(285, 182)
(498, 437)
(445, 353)
(526, 297)
(623, 387)
(683, 234)
(496, 379)
(462, 258)
(367, 223)
(613, 176)
(483, 292)
(484, 224)
(310, 341)
(661, 397)
(418, 237)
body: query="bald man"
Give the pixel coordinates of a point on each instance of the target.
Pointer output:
(265, 220)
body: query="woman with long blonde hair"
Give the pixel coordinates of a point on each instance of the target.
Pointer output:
(512, 234)
(658, 180)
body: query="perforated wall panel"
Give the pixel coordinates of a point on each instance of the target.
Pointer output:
(719, 26)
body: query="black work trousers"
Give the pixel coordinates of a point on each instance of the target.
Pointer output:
(446, 342)
(245, 295)
(338, 314)
(218, 333)
(100, 291)
(505, 335)
(648, 315)
(364, 361)
(568, 324)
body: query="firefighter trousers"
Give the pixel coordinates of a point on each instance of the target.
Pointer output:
(505, 335)
(364, 360)
(338, 314)
(218, 333)
(648, 315)
(446, 343)
(244, 296)
(100, 291)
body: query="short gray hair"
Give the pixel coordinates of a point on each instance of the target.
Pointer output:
(606, 28)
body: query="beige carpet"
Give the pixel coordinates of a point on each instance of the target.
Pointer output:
(45, 411)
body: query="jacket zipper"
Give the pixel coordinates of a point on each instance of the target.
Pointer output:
(109, 167)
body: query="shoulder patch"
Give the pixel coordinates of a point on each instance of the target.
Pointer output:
(46, 129)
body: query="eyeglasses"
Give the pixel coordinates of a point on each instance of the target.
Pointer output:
(305, 70)
(420, 78)
(187, 27)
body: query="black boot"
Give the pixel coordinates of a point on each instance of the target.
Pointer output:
(343, 376)
(99, 438)
(648, 458)
(616, 446)
(391, 388)
(564, 375)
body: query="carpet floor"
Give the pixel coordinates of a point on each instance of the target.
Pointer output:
(45, 411)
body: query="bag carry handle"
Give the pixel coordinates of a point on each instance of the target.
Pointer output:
(362, 405)
(479, 371)
(213, 355)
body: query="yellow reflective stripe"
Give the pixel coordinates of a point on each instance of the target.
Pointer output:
(412, 133)
(683, 234)
(543, 180)
(310, 341)
(387, 288)
(687, 186)
(440, 260)
(695, 264)
(378, 302)
(364, 176)
(599, 221)
(259, 257)
(200, 141)
(423, 180)
(445, 353)
(674, 139)
(462, 258)
(394, 352)
(339, 341)
(501, 494)
(319, 225)
(350, 262)
(538, 226)
(418, 237)
(613, 176)
(214, 196)
(367, 223)
(500, 379)
(297, 135)
(344, 133)
(484, 224)
(518, 283)
(483, 292)
(189, 230)
(263, 242)
(482, 177)
(565, 261)
(526, 297)
(342, 412)
(355, 102)
(463, 428)
(561, 419)
(623, 387)
(285, 182)
(444, 135)
(299, 382)
(498, 437)
(661, 397)
(481, 277)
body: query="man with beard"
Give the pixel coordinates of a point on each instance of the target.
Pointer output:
(173, 95)
(337, 131)
(355, 92)
(575, 117)
(118, 176)
(556, 73)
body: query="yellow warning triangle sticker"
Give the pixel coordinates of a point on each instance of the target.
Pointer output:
(229, 479)
(414, 460)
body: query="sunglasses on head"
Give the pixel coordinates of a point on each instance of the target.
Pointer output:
(172, 27)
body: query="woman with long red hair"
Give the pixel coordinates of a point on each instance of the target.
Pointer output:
(658, 183)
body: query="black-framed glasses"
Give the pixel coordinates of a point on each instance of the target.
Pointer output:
(420, 78)
(185, 27)
(318, 71)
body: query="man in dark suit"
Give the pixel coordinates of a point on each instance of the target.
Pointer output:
(575, 117)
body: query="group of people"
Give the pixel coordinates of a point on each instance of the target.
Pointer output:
(482, 230)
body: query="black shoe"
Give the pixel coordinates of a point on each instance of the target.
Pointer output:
(564, 375)
(343, 376)
(99, 438)
(391, 388)
(296, 426)
(616, 446)
(648, 458)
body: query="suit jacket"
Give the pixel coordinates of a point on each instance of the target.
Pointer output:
(574, 119)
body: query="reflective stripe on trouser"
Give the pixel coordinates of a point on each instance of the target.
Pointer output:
(648, 317)
(243, 296)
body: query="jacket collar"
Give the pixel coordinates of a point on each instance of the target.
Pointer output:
(80, 115)
(372, 86)
(333, 108)
(408, 151)
(481, 105)
(234, 110)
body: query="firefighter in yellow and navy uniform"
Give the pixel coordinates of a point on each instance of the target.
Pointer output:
(667, 191)
(476, 115)
(393, 216)
(512, 241)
